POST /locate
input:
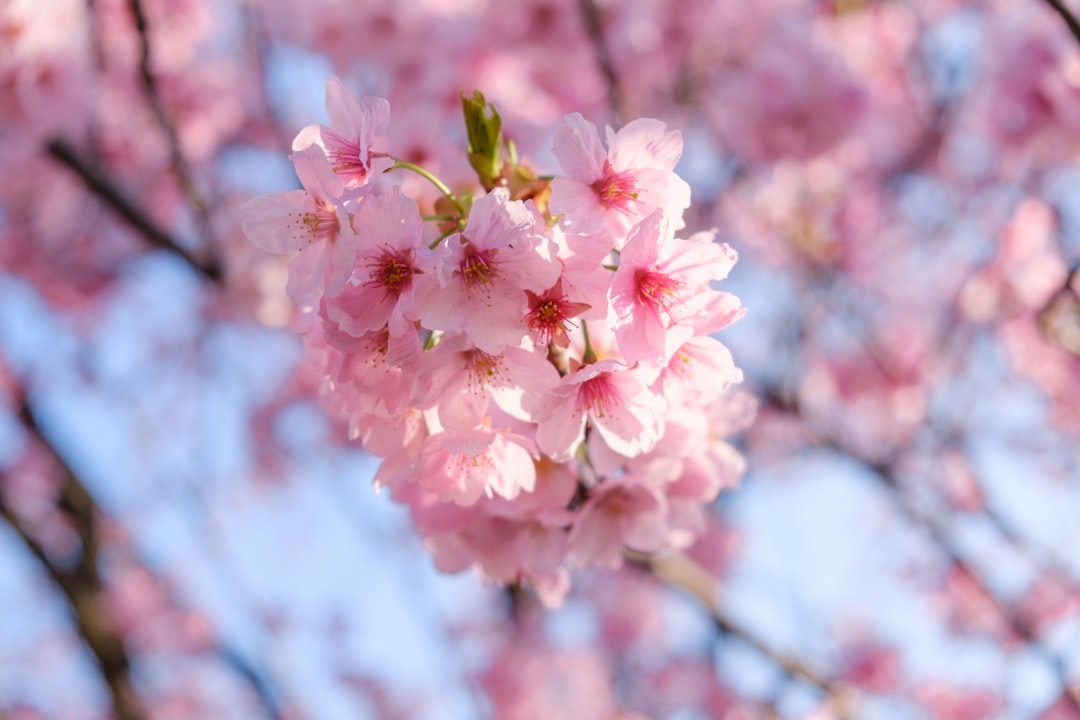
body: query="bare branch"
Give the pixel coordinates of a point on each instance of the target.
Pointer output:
(153, 97)
(103, 187)
(594, 27)
(680, 571)
(885, 472)
(81, 584)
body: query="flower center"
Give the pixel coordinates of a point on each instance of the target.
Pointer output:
(597, 396)
(656, 290)
(346, 159)
(615, 191)
(392, 271)
(478, 267)
(321, 223)
(484, 369)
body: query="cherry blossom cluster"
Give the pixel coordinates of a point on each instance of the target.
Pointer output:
(534, 361)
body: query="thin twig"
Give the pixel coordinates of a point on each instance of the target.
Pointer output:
(680, 571)
(885, 472)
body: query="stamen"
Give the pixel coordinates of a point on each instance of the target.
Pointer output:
(392, 271)
(656, 290)
(319, 224)
(597, 396)
(615, 191)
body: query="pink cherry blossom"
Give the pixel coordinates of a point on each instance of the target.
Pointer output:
(354, 129)
(313, 221)
(381, 290)
(661, 288)
(461, 465)
(612, 399)
(460, 380)
(612, 190)
(618, 515)
(549, 314)
(478, 280)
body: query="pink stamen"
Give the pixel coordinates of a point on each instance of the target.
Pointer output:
(597, 396)
(656, 290)
(347, 159)
(549, 313)
(615, 191)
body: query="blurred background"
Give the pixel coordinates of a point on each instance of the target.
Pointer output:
(185, 534)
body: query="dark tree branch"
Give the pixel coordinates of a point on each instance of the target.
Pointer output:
(153, 97)
(81, 583)
(97, 183)
(84, 589)
(591, 15)
(1070, 20)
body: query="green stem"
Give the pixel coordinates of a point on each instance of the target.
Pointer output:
(590, 356)
(405, 165)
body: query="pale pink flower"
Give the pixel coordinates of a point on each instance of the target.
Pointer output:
(792, 100)
(699, 370)
(461, 465)
(381, 291)
(510, 550)
(478, 281)
(527, 681)
(612, 190)
(354, 128)
(618, 515)
(313, 221)
(614, 401)
(460, 380)
(661, 289)
(380, 366)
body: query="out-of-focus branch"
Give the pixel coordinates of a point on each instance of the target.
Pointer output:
(1070, 20)
(1059, 318)
(81, 584)
(97, 183)
(680, 571)
(83, 587)
(266, 694)
(885, 472)
(153, 97)
(591, 15)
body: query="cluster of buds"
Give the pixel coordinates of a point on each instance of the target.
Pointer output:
(534, 362)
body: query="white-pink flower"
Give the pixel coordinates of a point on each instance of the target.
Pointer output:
(660, 292)
(478, 280)
(616, 404)
(390, 236)
(354, 128)
(461, 465)
(612, 190)
(460, 380)
(313, 221)
(619, 515)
